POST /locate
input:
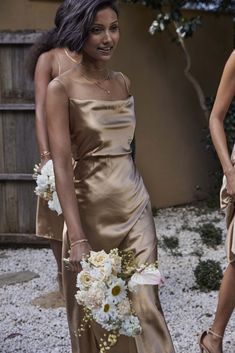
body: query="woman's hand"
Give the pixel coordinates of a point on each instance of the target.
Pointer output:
(77, 252)
(230, 176)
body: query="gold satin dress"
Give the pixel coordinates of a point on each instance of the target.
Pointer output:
(48, 224)
(115, 212)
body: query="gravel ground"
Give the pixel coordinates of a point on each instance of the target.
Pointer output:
(26, 328)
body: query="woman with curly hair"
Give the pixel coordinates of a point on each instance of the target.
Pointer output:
(47, 61)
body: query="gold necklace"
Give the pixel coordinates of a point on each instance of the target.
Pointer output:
(70, 57)
(99, 82)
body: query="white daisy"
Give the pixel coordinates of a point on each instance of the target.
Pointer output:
(117, 290)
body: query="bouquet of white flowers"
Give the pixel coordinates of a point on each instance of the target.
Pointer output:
(104, 285)
(45, 188)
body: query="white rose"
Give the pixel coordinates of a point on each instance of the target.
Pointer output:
(98, 258)
(84, 279)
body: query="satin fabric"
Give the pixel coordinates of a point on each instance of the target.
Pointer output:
(115, 212)
(227, 204)
(48, 223)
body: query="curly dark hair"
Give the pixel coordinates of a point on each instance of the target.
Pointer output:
(76, 25)
(49, 39)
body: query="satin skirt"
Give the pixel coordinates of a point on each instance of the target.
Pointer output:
(48, 224)
(155, 337)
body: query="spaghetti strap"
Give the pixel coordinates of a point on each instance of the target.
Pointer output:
(58, 62)
(125, 81)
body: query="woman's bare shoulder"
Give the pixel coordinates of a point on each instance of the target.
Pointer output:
(64, 82)
(121, 77)
(46, 58)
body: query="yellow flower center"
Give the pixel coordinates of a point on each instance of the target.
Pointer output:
(116, 290)
(106, 308)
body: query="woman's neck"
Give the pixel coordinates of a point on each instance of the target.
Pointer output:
(93, 69)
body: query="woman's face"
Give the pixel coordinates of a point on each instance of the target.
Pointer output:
(103, 36)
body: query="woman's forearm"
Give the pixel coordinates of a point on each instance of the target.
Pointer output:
(41, 132)
(220, 142)
(66, 192)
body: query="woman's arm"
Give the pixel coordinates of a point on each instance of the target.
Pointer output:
(223, 100)
(42, 78)
(59, 138)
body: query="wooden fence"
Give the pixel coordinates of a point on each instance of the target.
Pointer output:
(18, 150)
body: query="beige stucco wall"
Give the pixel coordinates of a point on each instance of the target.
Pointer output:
(171, 153)
(26, 14)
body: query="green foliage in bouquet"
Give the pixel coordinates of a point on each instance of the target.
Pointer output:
(208, 275)
(210, 235)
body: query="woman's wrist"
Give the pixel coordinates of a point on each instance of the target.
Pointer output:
(78, 242)
(45, 155)
(229, 170)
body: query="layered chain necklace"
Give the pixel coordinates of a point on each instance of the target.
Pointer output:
(98, 83)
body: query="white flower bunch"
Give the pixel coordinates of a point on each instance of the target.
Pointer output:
(104, 288)
(159, 25)
(45, 180)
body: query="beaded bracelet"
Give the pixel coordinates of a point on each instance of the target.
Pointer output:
(78, 242)
(45, 154)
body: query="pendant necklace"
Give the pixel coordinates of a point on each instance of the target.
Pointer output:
(70, 57)
(98, 83)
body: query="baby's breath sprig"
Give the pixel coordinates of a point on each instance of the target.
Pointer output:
(108, 341)
(85, 321)
(129, 263)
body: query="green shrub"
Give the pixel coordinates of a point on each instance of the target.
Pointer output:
(210, 235)
(172, 244)
(208, 275)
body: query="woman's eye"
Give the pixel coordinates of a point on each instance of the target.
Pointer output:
(114, 28)
(96, 30)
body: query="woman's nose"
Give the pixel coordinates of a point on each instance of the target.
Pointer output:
(107, 37)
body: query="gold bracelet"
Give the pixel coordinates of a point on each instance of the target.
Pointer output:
(45, 154)
(78, 242)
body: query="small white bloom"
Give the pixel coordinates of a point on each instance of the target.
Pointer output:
(48, 169)
(54, 204)
(162, 26)
(167, 17)
(117, 290)
(131, 326)
(124, 307)
(42, 183)
(94, 297)
(80, 297)
(181, 32)
(51, 181)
